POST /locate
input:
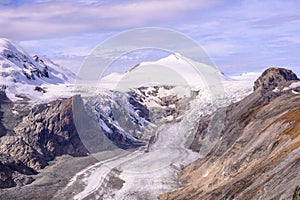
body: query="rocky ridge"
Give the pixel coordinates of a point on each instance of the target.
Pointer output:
(257, 154)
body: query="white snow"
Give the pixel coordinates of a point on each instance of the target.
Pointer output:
(247, 76)
(182, 71)
(173, 70)
(16, 65)
(154, 172)
(111, 80)
(294, 92)
(276, 90)
(292, 86)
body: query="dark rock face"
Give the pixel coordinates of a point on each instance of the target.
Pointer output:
(274, 77)
(18, 148)
(139, 108)
(129, 119)
(14, 172)
(35, 136)
(50, 129)
(119, 137)
(202, 131)
(296, 195)
(2, 127)
(257, 155)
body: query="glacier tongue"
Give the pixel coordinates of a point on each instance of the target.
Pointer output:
(143, 175)
(156, 172)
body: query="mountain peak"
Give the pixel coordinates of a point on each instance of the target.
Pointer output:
(5, 42)
(7, 45)
(275, 77)
(20, 73)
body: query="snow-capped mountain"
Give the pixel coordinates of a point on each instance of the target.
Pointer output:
(162, 91)
(151, 93)
(175, 70)
(124, 116)
(153, 172)
(24, 76)
(154, 109)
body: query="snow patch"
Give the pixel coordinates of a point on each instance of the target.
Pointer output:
(292, 86)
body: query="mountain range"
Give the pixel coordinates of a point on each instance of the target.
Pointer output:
(242, 145)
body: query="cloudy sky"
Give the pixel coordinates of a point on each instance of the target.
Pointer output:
(239, 36)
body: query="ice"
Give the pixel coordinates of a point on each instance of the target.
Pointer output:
(145, 174)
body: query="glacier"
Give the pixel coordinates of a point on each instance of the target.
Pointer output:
(148, 171)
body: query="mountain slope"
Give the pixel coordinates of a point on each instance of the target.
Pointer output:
(257, 156)
(23, 75)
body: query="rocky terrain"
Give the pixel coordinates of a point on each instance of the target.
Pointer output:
(34, 135)
(152, 168)
(257, 155)
(129, 119)
(274, 77)
(31, 137)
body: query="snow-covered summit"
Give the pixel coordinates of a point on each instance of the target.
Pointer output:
(175, 70)
(23, 75)
(191, 71)
(5, 44)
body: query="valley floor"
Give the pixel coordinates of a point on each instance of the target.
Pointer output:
(50, 179)
(136, 175)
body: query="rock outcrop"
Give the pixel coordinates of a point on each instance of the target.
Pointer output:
(296, 195)
(14, 172)
(51, 131)
(275, 77)
(31, 137)
(257, 155)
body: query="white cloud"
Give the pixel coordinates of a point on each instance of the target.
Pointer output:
(236, 34)
(63, 18)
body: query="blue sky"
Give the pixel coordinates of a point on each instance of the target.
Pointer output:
(239, 36)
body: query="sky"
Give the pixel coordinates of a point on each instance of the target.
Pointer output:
(238, 35)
